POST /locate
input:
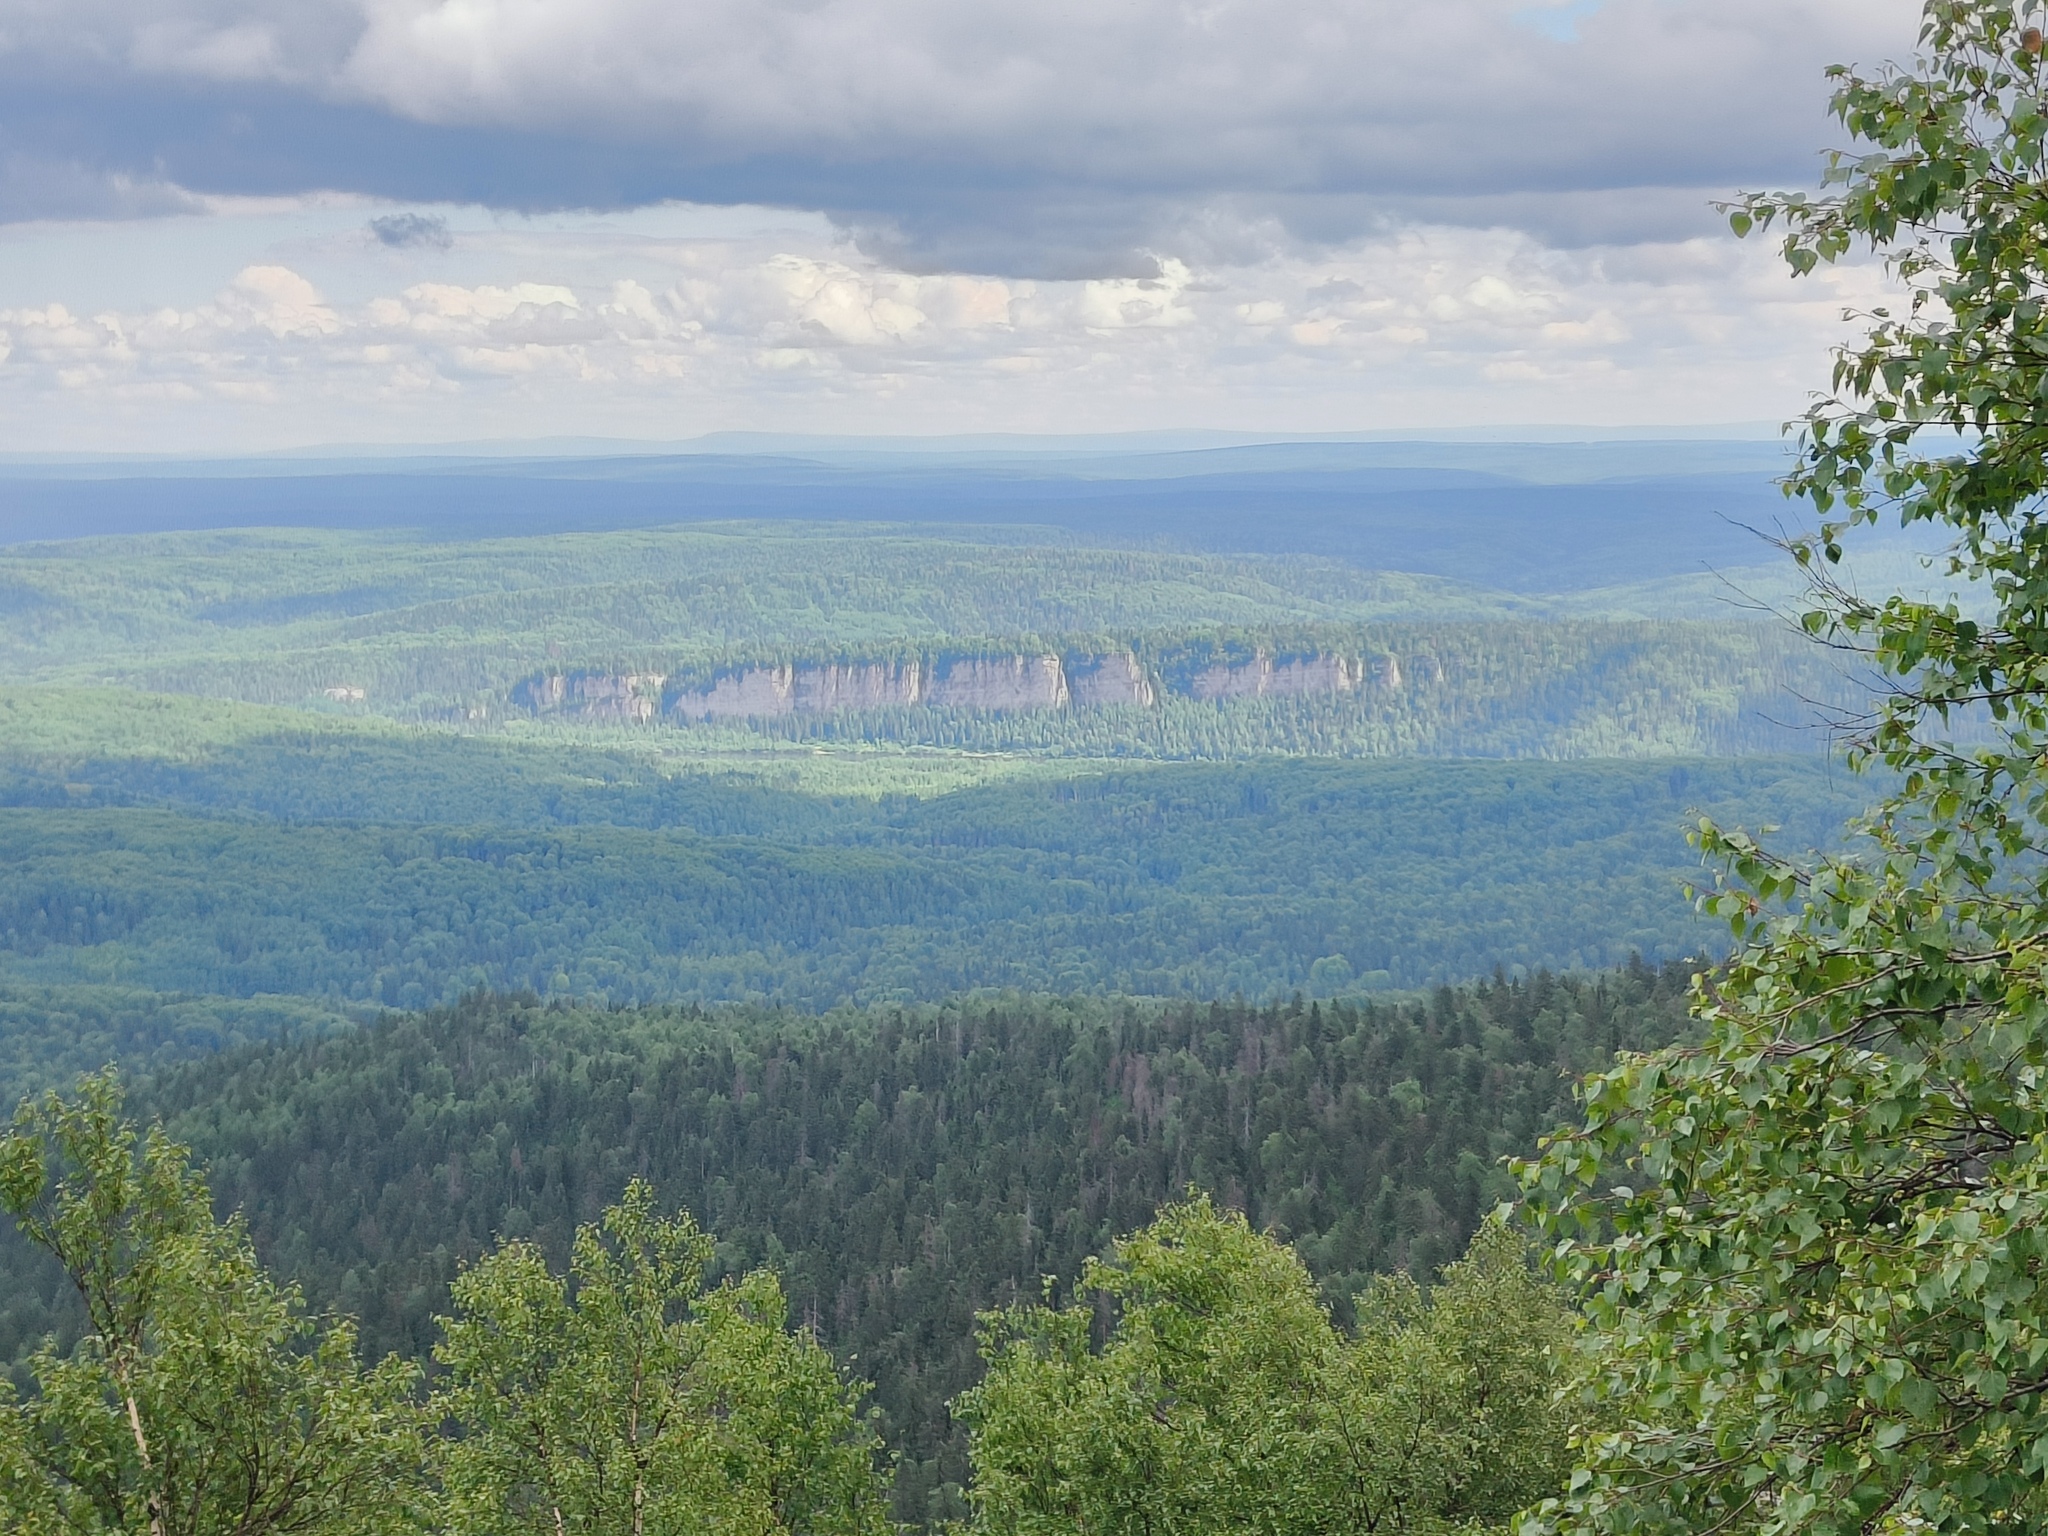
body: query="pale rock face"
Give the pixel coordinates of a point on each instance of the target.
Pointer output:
(1007, 683)
(769, 691)
(628, 696)
(1003, 682)
(752, 694)
(541, 694)
(1316, 674)
(870, 685)
(1223, 681)
(1263, 676)
(1112, 680)
(345, 693)
(638, 699)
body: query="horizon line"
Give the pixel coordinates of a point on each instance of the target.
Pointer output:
(765, 442)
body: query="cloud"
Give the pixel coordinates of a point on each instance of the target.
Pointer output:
(70, 188)
(620, 334)
(240, 51)
(278, 300)
(411, 231)
(1557, 19)
(1049, 138)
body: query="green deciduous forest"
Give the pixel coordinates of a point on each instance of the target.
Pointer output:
(1223, 1400)
(316, 863)
(1031, 1119)
(1027, 1119)
(896, 1017)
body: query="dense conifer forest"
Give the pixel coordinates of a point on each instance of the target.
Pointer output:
(168, 850)
(899, 1169)
(1206, 882)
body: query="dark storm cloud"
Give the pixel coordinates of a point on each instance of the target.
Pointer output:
(1053, 137)
(412, 231)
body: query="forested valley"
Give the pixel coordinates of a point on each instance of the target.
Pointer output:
(564, 1078)
(1208, 881)
(826, 1029)
(1011, 1111)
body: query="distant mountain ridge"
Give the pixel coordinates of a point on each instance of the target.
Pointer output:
(1522, 517)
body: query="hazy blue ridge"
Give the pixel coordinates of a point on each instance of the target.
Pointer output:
(1520, 517)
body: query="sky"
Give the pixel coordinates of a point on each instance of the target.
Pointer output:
(235, 225)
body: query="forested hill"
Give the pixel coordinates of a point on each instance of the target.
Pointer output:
(627, 629)
(1181, 880)
(902, 1169)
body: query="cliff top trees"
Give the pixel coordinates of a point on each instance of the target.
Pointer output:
(1821, 1265)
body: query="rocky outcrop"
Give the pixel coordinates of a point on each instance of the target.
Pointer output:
(858, 685)
(756, 694)
(1265, 676)
(1014, 683)
(764, 692)
(1100, 681)
(1001, 682)
(980, 682)
(632, 697)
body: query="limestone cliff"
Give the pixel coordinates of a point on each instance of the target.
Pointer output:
(597, 696)
(858, 685)
(990, 682)
(1264, 676)
(756, 693)
(1097, 681)
(1013, 683)
(763, 692)
(1002, 682)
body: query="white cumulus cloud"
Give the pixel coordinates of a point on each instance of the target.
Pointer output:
(626, 335)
